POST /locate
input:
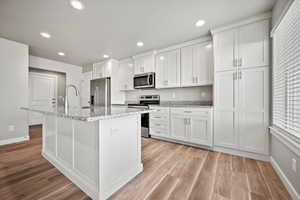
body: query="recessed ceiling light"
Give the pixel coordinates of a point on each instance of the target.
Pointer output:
(208, 46)
(105, 56)
(61, 53)
(161, 58)
(200, 23)
(140, 44)
(77, 4)
(45, 35)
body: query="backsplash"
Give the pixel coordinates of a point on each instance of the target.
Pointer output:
(203, 93)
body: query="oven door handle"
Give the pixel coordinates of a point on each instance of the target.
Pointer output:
(148, 79)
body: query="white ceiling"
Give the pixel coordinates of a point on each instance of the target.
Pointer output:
(114, 26)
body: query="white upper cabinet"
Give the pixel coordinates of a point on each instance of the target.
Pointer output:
(144, 63)
(196, 65)
(110, 68)
(102, 69)
(253, 44)
(168, 69)
(244, 46)
(126, 73)
(225, 50)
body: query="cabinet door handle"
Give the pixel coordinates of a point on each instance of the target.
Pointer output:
(234, 62)
(240, 75)
(234, 76)
(240, 62)
(187, 111)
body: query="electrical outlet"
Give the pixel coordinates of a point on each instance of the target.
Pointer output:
(294, 164)
(11, 128)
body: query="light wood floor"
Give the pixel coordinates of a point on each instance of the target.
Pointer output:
(171, 171)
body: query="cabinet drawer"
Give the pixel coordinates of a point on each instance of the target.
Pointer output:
(156, 116)
(160, 110)
(159, 124)
(190, 111)
(159, 132)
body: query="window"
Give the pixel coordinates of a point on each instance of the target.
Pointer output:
(286, 72)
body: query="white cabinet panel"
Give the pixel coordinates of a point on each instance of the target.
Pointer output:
(253, 44)
(253, 89)
(253, 109)
(200, 130)
(86, 149)
(178, 127)
(253, 132)
(65, 141)
(168, 69)
(144, 64)
(126, 72)
(225, 50)
(203, 64)
(187, 76)
(224, 129)
(225, 90)
(197, 65)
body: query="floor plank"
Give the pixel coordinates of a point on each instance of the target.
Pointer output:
(171, 171)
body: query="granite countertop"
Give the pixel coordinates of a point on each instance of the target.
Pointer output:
(182, 104)
(92, 113)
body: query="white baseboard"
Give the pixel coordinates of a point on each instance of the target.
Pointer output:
(14, 140)
(243, 153)
(285, 180)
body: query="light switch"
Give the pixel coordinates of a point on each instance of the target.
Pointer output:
(11, 128)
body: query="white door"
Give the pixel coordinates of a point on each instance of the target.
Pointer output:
(225, 117)
(178, 127)
(200, 131)
(202, 64)
(253, 109)
(224, 50)
(187, 76)
(42, 95)
(253, 44)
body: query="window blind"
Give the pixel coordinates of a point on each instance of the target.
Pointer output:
(286, 72)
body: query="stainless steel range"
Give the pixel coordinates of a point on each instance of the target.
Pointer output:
(144, 102)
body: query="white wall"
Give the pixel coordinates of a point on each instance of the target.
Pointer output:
(73, 73)
(13, 89)
(278, 10)
(181, 94)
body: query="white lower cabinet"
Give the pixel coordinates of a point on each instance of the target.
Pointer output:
(178, 127)
(189, 125)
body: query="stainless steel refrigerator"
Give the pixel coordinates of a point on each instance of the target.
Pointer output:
(101, 92)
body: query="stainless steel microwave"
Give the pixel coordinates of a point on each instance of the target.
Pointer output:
(144, 80)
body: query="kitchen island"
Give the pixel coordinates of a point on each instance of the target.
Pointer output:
(98, 148)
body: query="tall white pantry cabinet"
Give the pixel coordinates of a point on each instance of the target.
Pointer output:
(241, 86)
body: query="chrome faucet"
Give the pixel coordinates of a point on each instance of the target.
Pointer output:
(67, 94)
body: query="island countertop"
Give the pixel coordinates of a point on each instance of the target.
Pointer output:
(92, 113)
